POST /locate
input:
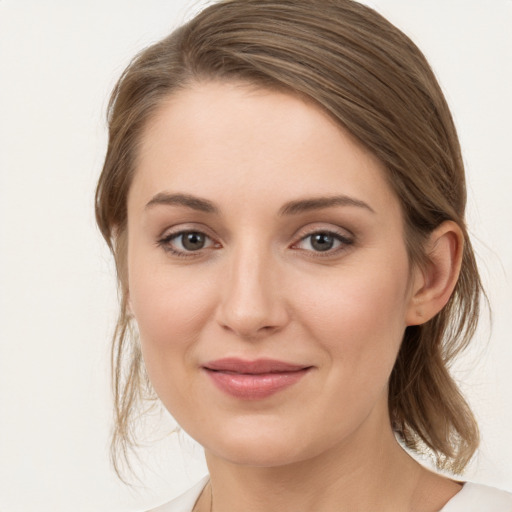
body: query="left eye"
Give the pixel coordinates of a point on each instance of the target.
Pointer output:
(322, 241)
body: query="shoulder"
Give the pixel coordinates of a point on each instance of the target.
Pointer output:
(185, 502)
(479, 498)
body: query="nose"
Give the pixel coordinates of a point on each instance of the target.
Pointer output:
(253, 304)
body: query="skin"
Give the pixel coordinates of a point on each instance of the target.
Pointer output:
(259, 288)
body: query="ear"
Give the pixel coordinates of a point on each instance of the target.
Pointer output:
(433, 284)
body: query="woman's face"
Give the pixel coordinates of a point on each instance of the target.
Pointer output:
(268, 274)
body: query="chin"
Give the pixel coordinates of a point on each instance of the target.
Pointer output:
(261, 446)
(257, 453)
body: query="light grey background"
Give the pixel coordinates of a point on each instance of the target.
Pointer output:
(58, 62)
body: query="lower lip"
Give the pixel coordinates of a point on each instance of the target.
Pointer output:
(254, 386)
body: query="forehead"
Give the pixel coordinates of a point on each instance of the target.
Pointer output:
(233, 141)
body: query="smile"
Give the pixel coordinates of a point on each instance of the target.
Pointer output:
(253, 380)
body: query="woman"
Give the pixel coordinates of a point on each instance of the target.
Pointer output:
(284, 196)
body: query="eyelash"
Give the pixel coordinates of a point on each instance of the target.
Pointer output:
(166, 244)
(344, 241)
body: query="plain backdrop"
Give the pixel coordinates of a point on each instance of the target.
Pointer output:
(58, 62)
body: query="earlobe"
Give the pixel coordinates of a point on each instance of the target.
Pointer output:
(435, 282)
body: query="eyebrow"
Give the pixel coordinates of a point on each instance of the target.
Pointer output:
(317, 203)
(290, 208)
(193, 202)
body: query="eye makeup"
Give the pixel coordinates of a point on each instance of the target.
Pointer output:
(194, 242)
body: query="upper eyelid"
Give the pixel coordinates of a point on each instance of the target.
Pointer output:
(311, 229)
(334, 234)
(167, 238)
(344, 240)
(172, 235)
(180, 228)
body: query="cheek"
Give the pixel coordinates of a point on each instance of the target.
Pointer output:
(359, 314)
(356, 318)
(170, 308)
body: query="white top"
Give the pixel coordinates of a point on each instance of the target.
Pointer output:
(471, 498)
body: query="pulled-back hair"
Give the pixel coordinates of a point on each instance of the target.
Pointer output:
(375, 83)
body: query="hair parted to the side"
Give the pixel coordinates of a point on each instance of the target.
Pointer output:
(375, 83)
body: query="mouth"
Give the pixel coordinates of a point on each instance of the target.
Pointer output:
(253, 380)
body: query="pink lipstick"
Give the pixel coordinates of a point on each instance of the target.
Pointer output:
(253, 380)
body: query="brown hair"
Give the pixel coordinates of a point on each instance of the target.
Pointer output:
(377, 84)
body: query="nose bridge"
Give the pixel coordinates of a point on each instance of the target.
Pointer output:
(251, 303)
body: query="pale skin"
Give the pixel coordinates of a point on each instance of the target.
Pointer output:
(300, 257)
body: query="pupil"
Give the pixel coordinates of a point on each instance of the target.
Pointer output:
(322, 242)
(193, 241)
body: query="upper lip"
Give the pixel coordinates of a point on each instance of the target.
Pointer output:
(258, 366)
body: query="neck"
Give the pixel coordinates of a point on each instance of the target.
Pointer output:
(368, 472)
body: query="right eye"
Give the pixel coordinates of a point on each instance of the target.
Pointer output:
(186, 242)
